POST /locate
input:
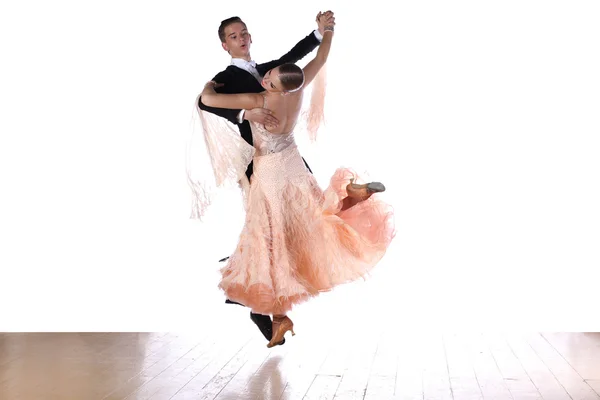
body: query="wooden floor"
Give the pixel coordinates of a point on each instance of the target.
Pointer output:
(346, 360)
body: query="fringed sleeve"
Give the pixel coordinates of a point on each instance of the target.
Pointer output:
(216, 157)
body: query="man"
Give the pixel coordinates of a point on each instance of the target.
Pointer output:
(243, 75)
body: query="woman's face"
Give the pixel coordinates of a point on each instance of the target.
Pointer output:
(271, 82)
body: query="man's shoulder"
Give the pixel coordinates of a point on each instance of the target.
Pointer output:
(230, 71)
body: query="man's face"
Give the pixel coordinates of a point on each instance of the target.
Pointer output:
(237, 40)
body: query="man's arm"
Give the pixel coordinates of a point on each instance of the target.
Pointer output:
(298, 52)
(229, 114)
(302, 48)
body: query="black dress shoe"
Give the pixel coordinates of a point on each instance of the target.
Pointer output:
(265, 326)
(263, 322)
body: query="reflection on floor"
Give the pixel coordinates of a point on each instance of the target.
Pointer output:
(341, 360)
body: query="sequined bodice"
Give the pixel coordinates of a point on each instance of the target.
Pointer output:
(266, 142)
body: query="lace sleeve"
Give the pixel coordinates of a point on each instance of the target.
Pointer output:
(313, 117)
(216, 157)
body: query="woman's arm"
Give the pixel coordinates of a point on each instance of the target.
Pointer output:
(312, 68)
(245, 101)
(227, 78)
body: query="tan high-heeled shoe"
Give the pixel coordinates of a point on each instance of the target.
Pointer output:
(360, 192)
(363, 191)
(281, 324)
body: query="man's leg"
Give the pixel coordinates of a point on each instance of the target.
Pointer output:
(307, 167)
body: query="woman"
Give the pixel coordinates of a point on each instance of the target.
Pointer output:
(297, 240)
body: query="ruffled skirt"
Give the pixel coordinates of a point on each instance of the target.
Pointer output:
(296, 242)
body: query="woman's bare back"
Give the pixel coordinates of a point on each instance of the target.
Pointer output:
(286, 108)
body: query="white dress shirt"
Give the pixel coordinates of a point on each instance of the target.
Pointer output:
(250, 66)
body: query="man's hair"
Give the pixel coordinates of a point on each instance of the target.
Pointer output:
(225, 23)
(291, 77)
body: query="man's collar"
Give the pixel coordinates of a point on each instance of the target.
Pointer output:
(241, 61)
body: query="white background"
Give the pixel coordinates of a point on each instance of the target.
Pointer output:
(481, 118)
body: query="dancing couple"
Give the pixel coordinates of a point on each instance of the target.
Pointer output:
(298, 240)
